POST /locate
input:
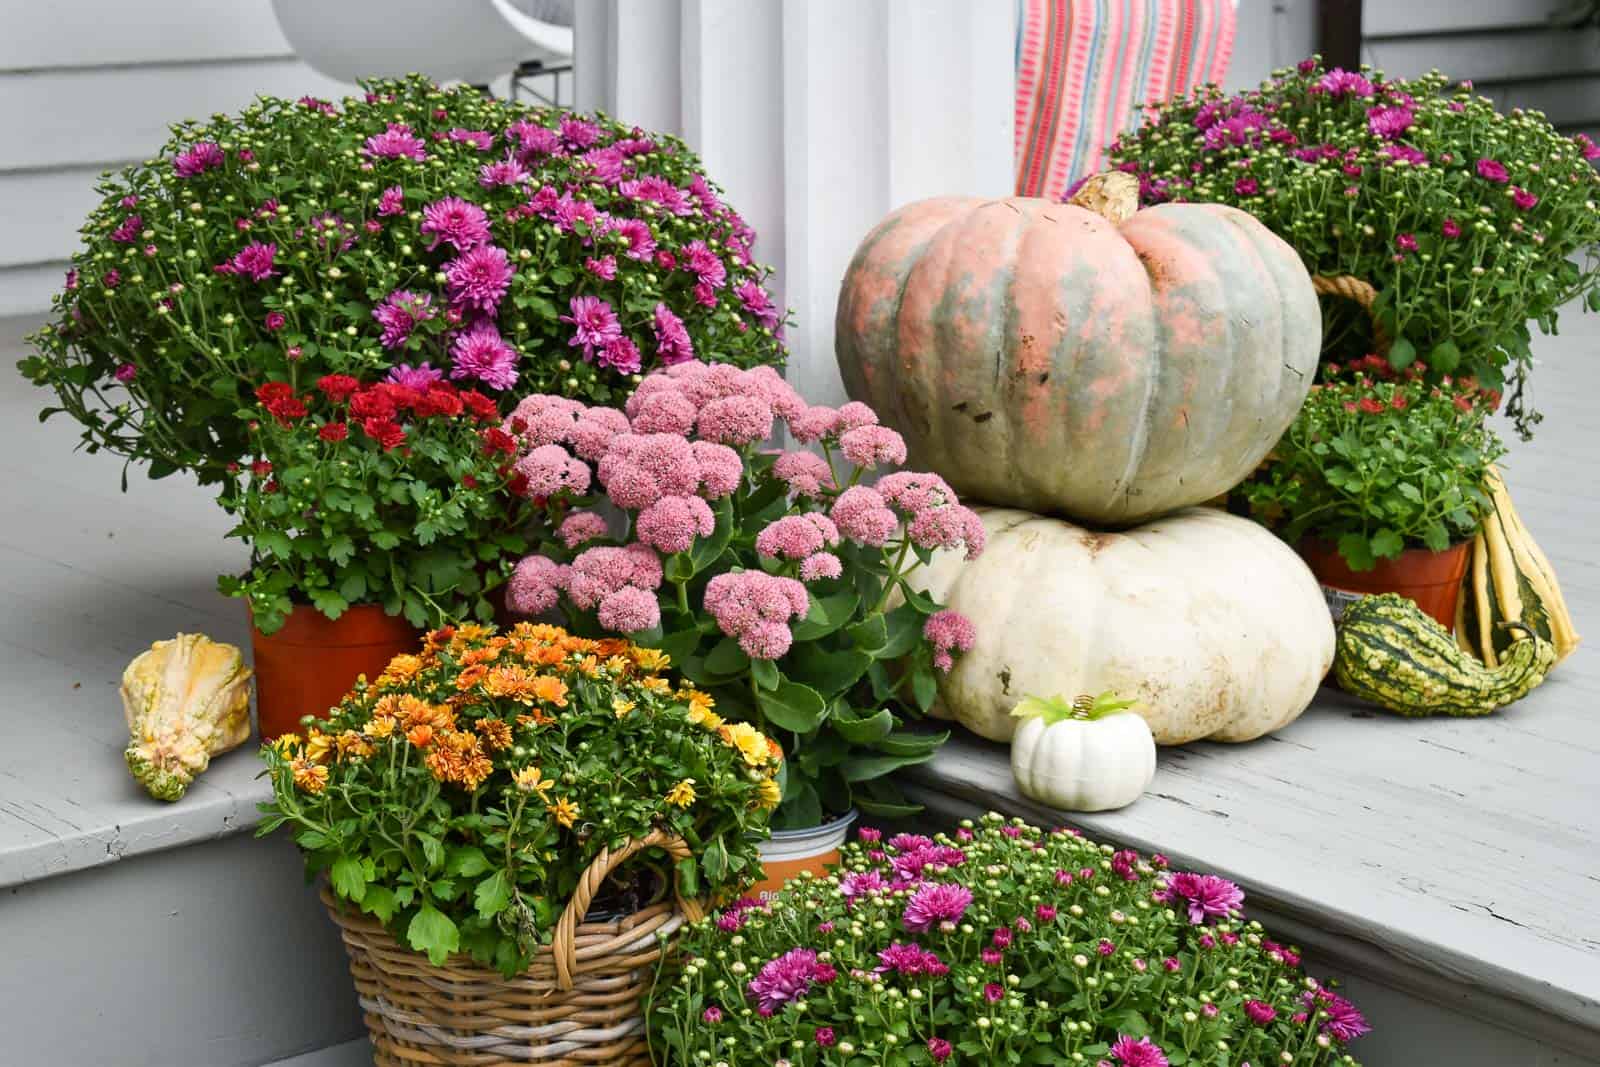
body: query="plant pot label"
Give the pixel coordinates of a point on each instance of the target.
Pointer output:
(1338, 600)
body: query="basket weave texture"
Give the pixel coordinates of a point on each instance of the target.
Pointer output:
(1361, 293)
(578, 1004)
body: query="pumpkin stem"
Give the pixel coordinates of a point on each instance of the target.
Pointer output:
(1112, 194)
(1084, 709)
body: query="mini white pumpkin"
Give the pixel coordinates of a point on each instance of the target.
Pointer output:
(1089, 755)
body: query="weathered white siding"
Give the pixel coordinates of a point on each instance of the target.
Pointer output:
(818, 117)
(91, 85)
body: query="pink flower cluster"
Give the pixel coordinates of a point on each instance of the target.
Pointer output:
(755, 607)
(936, 904)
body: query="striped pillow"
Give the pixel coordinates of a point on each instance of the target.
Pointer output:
(1085, 67)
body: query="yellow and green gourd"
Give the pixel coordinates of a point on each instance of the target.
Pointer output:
(1393, 654)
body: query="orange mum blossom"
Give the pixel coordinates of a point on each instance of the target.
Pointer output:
(319, 746)
(543, 754)
(471, 676)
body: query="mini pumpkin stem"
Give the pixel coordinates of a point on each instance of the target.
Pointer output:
(1112, 194)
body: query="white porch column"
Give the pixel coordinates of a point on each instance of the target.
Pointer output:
(818, 117)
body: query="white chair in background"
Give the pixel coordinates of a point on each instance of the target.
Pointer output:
(475, 41)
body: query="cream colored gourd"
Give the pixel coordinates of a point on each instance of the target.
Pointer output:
(1210, 622)
(1090, 755)
(186, 700)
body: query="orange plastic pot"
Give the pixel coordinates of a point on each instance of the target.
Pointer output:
(1431, 579)
(789, 852)
(310, 663)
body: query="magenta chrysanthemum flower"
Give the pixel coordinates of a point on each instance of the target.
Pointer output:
(1138, 1053)
(197, 159)
(659, 191)
(568, 211)
(535, 140)
(606, 165)
(594, 323)
(396, 142)
(604, 267)
(910, 961)
(417, 378)
(939, 1049)
(1492, 170)
(1524, 200)
(1246, 187)
(481, 353)
(932, 905)
(758, 302)
(673, 345)
(712, 1015)
(861, 515)
(672, 523)
(1338, 82)
(400, 314)
(479, 279)
(1403, 153)
(706, 264)
(1260, 1012)
(582, 526)
(128, 230)
(1450, 228)
(784, 979)
(621, 355)
(1205, 896)
(1587, 146)
(456, 222)
(253, 261)
(1405, 242)
(1389, 122)
(392, 201)
(1344, 1021)
(578, 133)
(641, 243)
(482, 140)
(126, 373)
(535, 586)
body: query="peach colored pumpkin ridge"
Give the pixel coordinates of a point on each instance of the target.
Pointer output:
(1043, 356)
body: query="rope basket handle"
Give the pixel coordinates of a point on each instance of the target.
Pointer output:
(589, 884)
(1359, 292)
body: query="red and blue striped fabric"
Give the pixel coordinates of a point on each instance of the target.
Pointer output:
(1085, 68)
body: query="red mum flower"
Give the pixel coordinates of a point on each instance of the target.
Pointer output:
(337, 387)
(334, 431)
(482, 408)
(497, 440)
(384, 431)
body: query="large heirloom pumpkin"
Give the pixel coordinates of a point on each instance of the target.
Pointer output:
(1214, 626)
(1042, 356)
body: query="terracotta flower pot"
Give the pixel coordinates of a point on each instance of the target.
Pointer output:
(791, 851)
(309, 664)
(1432, 579)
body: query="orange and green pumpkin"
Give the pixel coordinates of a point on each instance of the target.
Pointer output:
(1107, 365)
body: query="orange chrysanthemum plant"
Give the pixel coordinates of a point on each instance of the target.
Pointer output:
(459, 797)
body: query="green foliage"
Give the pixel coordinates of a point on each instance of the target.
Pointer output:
(461, 795)
(336, 513)
(1397, 183)
(1378, 468)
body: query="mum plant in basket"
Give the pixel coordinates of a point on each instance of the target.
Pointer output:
(407, 234)
(459, 796)
(998, 944)
(1468, 222)
(379, 493)
(774, 579)
(1377, 467)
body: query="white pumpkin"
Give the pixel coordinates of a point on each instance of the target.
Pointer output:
(1085, 756)
(1210, 622)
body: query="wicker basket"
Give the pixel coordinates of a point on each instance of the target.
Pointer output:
(578, 1003)
(1360, 293)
